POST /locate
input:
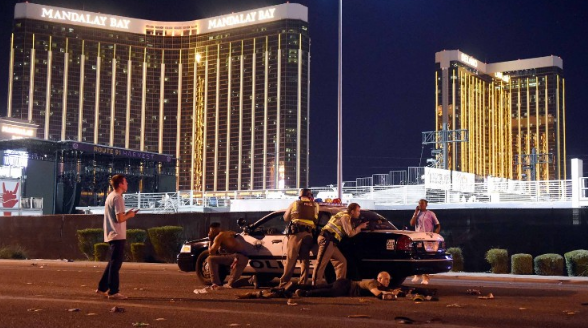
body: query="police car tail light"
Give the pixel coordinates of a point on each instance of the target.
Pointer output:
(404, 243)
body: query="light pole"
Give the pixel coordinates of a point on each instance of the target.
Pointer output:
(340, 108)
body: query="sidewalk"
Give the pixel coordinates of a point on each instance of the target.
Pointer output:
(481, 276)
(485, 276)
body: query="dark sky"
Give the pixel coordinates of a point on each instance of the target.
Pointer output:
(389, 65)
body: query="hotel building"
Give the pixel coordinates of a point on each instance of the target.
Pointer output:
(511, 111)
(227, 96)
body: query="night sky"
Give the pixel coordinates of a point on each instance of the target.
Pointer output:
(389, 65)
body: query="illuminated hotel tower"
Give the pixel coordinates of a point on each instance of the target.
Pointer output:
(227, 96)
(510, 109)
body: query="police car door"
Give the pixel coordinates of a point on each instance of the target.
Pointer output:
(266, 244)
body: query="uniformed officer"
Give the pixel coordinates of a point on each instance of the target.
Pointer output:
(302, 215)
(338, 227)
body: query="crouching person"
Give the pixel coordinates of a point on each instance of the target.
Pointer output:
(344, 287)
(225, 251)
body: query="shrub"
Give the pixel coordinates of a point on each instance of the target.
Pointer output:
(498, 259)
(86, 240)
(577, 263)
(549, 265)
(138, 252)
(15, 252)
(521, 264)
(457, 258)
(166, 241)
(134, 236)
(101, 251)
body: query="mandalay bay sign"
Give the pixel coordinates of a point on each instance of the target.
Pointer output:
(85, 18)
(241, 18)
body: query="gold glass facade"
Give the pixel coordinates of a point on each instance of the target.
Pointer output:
(232, 105)
(509, 116)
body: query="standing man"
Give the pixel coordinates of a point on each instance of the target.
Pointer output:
(303, 216)
(115, 233)
(225, 250)
(338, 227)
(424, 221)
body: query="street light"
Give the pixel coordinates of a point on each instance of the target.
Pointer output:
(340, 108)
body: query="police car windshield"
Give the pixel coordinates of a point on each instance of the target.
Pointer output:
(376, 221)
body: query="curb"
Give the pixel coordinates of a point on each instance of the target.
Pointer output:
(510, 278)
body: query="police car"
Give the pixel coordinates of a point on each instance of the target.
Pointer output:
(379, 247)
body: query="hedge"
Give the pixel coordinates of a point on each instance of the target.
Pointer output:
(166, 241)
(457, 258)
(138, 252)
(577, 263)
(521, 264)
(86, 240)
(498, 259)
(101, 251)
(549, 265)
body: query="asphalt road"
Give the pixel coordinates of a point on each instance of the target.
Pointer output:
(37, 293)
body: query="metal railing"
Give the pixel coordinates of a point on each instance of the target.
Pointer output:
(483, 192)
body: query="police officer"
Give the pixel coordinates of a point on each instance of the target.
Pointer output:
(338, 227)
(302, 215)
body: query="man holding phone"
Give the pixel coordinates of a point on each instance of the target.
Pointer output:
(424, 221)
(115, 233)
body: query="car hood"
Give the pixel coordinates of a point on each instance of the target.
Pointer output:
(415, 235)
(420, 236)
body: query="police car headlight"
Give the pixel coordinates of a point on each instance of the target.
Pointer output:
(186, 249)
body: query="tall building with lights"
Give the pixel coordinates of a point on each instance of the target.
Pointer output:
(514, 114)
(227, 96)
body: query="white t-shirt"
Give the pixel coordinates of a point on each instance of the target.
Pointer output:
(426, 221)
(113, 230)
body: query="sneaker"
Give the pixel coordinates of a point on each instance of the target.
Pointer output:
(425, 280)
(415, 278)
(117, 296)
(101, 293)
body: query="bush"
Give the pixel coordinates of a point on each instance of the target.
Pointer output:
(577, 263)
(549, 265)
(101, 251)
(457, 258)
(138, 252)
(166, 241)
(15, 252)
(134, 236)
(498, 259)
(521, 264)
(86, 240)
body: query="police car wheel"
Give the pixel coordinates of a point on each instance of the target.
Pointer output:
(203, 271)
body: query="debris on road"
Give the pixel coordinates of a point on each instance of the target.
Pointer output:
(291, 302)
(92, 313)
(354, 316)
(404, 320)
(455, 305)
(140, 324)
(117, 309)
(473, 292)
(487, 297)
(160, 319)
(73, 310)
(34, 310)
